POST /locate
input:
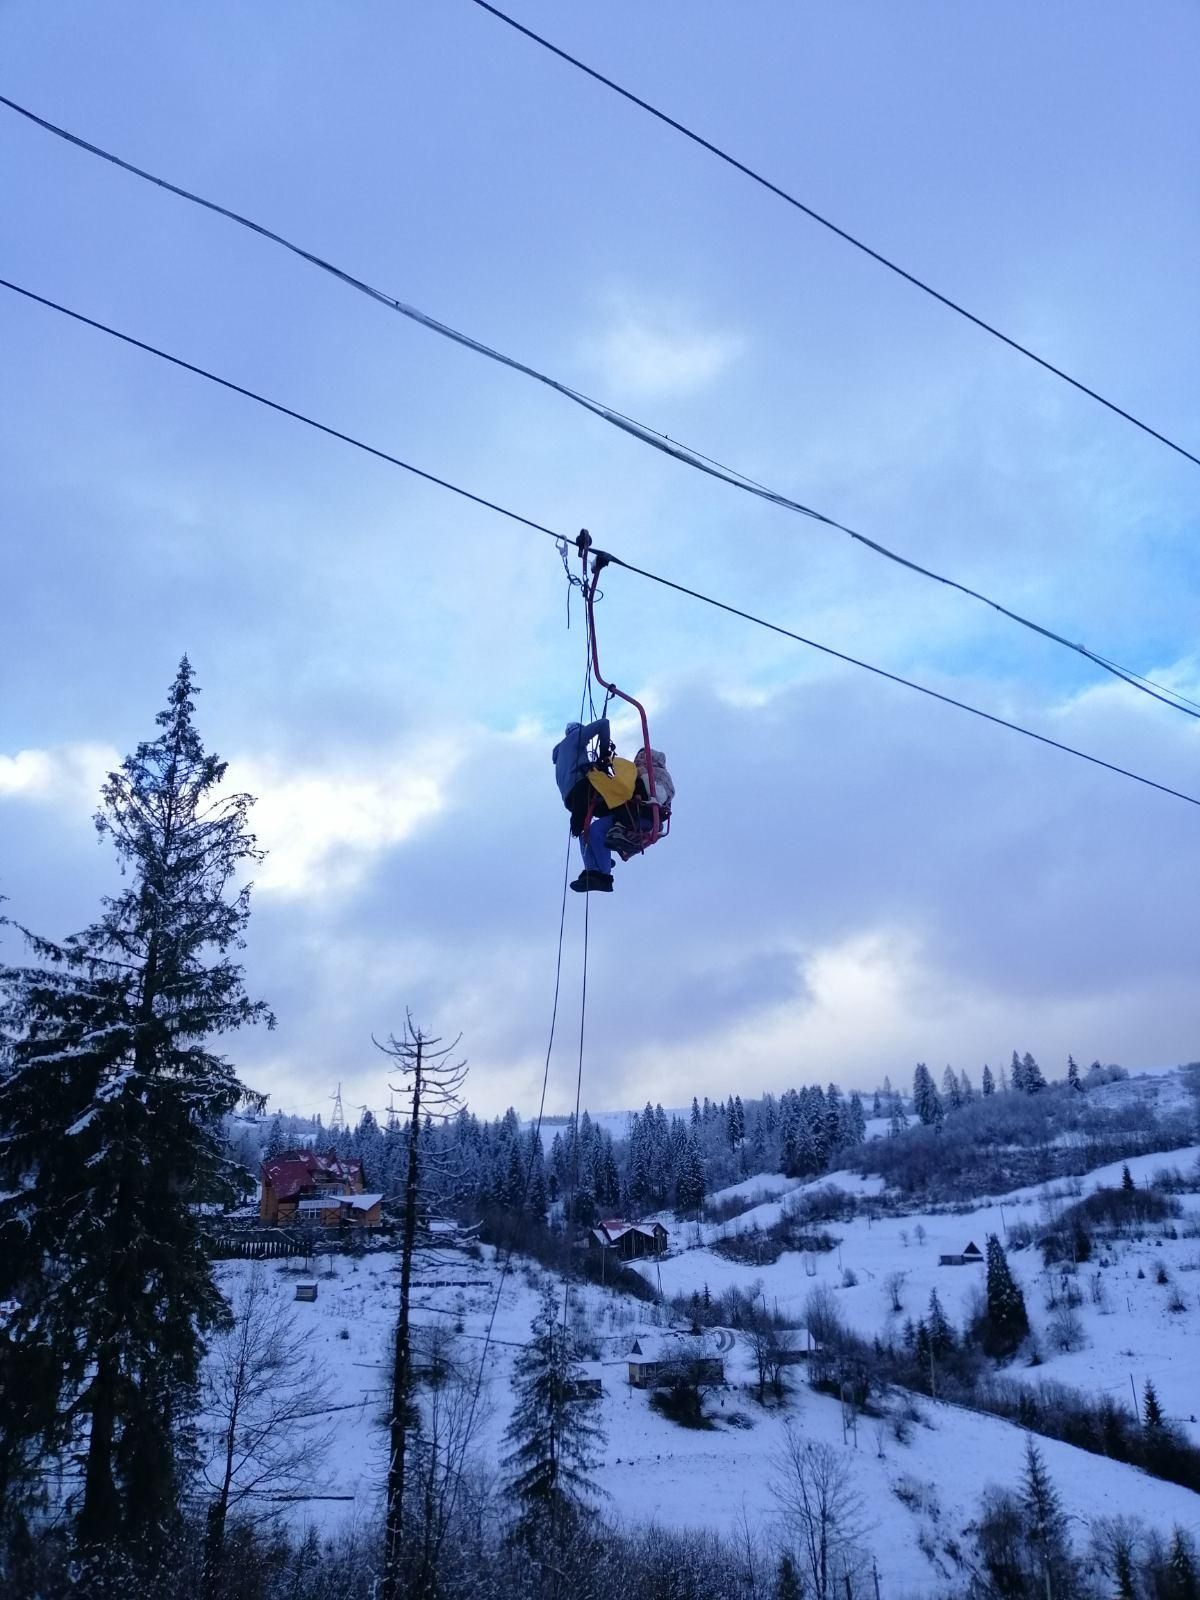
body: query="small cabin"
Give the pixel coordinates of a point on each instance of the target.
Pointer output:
(587, 1383)
(652, 1359)
(628, 1241)
(967, 1258)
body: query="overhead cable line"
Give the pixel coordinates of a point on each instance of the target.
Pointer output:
(642, 572)
(618, 419)
(833, 227)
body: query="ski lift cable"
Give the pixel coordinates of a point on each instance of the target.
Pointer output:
(538, 527)
(842, 233)
(657, 440)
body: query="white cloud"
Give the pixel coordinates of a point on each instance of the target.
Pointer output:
(322, 828)
(658, 351)
(67, 775)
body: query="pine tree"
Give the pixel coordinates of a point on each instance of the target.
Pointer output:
(113, 1103)
(927, 1103)
(876, 1109)
(788, 1585)
(1183, 1583)
(689, 1186)
(966, 1088)
(1046, 1524)
(854, 1122)
(951, 1093)
(1032, 1080)
(1127, 1183)
(1152, 1412)
(1007, 1319)
(1016, 1074)
(1073, 1079)
(941, 1334)
(555, 1437)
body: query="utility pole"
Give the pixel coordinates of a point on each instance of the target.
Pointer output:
(431, 1081)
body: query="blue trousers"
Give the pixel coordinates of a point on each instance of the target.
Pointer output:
(593, 845)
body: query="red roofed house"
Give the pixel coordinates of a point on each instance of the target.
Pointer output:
(629, 1241)
(321, 1188)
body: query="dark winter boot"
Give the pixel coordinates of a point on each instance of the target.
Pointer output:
(591, 882)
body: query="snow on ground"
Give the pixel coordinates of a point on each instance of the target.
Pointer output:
(920, 1493)
(1131, 1331)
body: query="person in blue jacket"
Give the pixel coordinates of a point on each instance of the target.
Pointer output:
(572, 763)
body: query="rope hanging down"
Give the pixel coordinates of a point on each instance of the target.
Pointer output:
(538, 527)
(534, 1146)
(617, 419)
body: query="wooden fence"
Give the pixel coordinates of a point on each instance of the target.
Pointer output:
(259, 1245)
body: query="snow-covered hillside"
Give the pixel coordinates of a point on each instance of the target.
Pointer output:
(919, 1494)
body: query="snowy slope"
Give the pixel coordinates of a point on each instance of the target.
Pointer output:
(1132, 1332)
(656, 1471)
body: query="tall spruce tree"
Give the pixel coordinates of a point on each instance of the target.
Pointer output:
(989, 1083)
(1007, 1321)
(927, 1103)
(1184, 1584)
(554, 1436)
(1032, 1080)
(1152, 1412)
(1046, 1526)
(111, 1100)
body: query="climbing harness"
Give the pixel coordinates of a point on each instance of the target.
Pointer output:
(639, 840)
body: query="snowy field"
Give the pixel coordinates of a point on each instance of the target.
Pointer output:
(1132, 1332)
(918, 1495)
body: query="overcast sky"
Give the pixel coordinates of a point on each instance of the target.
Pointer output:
(857, 877)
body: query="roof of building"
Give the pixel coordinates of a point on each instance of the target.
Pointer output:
(657, 1346)
(296, 1171)
(614, 1228)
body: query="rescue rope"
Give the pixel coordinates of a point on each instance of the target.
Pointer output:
(534, 1145)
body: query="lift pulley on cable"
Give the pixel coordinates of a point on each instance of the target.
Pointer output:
(616, 805)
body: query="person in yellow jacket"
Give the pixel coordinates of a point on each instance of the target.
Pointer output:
(592, 786)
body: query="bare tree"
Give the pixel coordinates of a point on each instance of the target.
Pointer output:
(266, 1400)
(780, 1355)
(432, 1084)
(894, 1287)
(1065, 1329)
(760, 1336)
(822, 1512)
(449, 1418)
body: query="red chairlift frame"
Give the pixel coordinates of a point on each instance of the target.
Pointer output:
(660, 824)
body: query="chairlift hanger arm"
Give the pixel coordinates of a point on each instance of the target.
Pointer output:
(600, 560)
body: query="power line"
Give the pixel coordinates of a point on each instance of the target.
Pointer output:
(618, 419)
(842, 233)
(275, 405)
(641, 572)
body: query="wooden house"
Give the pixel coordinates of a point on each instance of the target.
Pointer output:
(966, 1258)
(303, 1183)
(628, 1241)
(654, 1357)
